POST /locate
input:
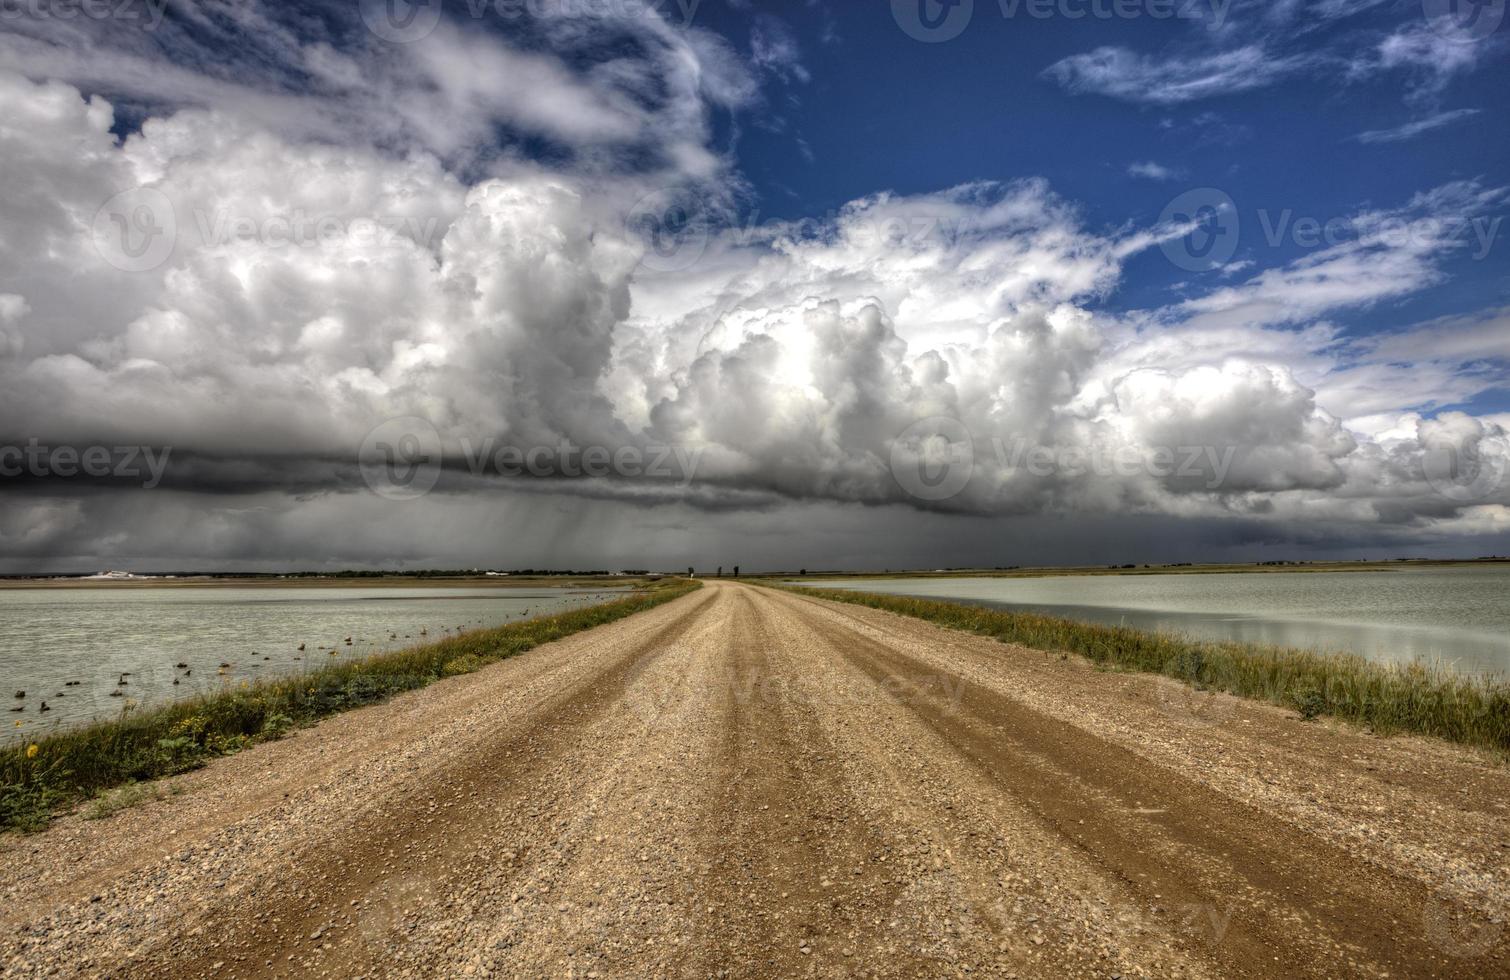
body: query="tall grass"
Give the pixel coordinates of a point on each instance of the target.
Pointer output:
(58, 771)
(1387, 698)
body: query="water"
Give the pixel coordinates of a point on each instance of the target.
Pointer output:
(1456, 615)
(49, 637)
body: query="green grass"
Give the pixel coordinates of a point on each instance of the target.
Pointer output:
(1414, 698)
(110, 802)
(1063, 571)
(67, 768)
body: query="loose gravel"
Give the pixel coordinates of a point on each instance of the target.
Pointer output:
(750, 783)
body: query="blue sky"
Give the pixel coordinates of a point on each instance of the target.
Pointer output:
(1221, 285)
(877, 108)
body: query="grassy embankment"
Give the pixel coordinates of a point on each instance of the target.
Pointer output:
(1057, 571)
(1413, 698)
(62, 770)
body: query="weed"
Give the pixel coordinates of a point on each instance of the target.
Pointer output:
(141, 745)
(108, 803)
(1386, 698)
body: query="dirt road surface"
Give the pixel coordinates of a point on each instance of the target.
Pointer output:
(750, 783)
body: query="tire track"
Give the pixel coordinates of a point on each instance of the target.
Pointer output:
(1279, 900)
(745, 783)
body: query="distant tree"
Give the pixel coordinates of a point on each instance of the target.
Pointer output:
(736, 571)
(720, 572)
(803, 572)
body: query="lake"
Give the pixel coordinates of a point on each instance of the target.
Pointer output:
(95, 636)
(1458, 615)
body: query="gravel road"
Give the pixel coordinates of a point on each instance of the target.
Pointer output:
(750, 783)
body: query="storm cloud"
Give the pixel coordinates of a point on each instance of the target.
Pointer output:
(256, 269)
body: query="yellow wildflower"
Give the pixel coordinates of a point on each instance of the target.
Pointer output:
(31, 751)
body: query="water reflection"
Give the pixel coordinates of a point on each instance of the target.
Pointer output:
(1456, 615)
(88, 652)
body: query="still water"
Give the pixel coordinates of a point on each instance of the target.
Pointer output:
(1452, 615)
(97, 637)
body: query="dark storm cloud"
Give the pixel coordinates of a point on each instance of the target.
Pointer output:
(323, 276)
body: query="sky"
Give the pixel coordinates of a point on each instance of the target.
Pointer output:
(624, 284)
